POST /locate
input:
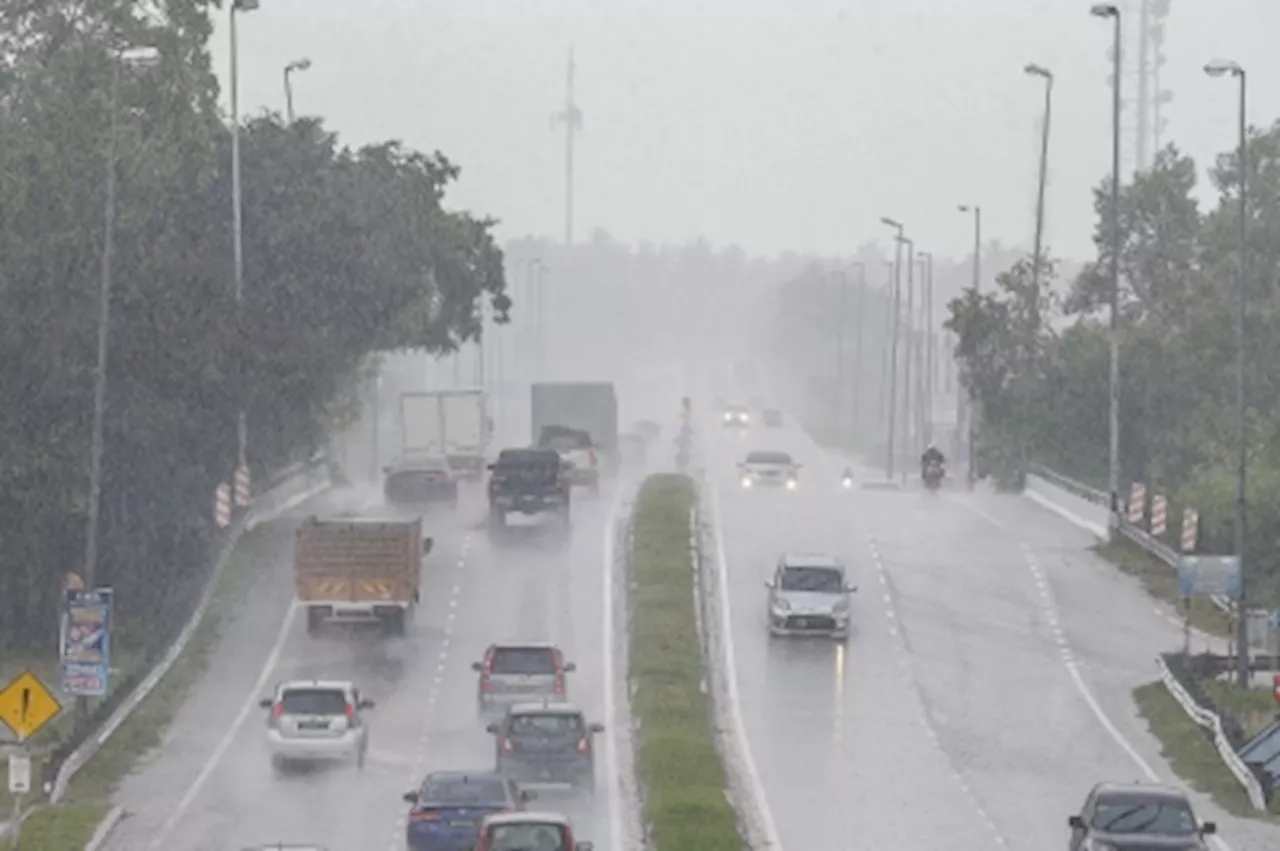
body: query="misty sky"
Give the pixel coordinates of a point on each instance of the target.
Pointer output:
(771, 124)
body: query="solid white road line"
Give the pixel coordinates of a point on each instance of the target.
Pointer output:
(615, 801)
(250, 704)
(760, 802)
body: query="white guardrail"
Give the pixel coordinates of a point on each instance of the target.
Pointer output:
(1089, 508)
(293, 486)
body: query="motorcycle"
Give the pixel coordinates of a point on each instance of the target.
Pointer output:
(933, 474)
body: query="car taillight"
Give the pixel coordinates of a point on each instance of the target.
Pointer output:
(486, 684)
(560, 480)
(584, 745)
(506, 746)
(277, 709)
(424, 815)
(560, 681)
(351, 711)
(591, 453)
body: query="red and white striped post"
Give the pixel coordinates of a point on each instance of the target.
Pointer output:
(1190, 529)
(1137, 503)
(242, 485)
(1159, 515)
(222, 505)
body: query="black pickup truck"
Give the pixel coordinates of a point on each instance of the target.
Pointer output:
(529, 482)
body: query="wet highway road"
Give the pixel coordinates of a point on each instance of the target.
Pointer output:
(212, 785)
(987, 685)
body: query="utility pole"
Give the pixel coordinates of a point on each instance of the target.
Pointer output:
(906, 359)
(857, 346)
(844, 292)
(571, 118)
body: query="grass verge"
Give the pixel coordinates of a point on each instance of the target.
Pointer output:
(1254, 708)
(679, 767)
(62, 827)
(1161, 582)
(1191, 754)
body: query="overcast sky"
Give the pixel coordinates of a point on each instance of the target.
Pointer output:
(774, 124)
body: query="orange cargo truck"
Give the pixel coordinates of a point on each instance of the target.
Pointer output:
(358, 570)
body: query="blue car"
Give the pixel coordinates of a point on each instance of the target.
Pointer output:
(449, 806)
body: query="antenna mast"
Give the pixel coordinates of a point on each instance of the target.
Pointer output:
(571, 118)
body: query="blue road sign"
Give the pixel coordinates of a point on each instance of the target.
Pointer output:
(1209, 576)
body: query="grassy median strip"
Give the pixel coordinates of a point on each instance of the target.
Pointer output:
(680, 769)
(1191, 754)
(69, 826)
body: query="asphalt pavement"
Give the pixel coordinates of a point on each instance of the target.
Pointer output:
(211, 786)
(987, 685)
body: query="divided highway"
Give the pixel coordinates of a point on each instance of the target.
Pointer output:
(212, 785)
(986, 686)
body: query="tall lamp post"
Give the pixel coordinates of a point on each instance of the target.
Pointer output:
(141, 57)
(973, 412)
(1044, 73)
(893, 346)
(1219, 68)
(925, 382)
(844, 295)
(237, 220)
(906, 360)
(855, 407)
(1108, 10)
(297, 65)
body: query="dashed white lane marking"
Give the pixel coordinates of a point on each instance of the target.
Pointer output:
(417, 762)
(892, 615)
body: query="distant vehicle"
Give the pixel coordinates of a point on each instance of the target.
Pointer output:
(421, 480)
(769, 468)
(771, 417)
(737, 415)
(809, 595)
(359, 570)
(1137, 816)
(528, 831)
(450, 805)
(582, 464)
(589, 406)
(546, 743)
(452, 423)
(933, 475)
(528, 482)
(316, 721)
(519, 672)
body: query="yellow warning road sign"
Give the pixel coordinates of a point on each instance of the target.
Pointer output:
(26, 705)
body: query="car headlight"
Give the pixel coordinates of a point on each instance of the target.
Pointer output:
(840, 608)
(792, 484)
(746, 481)
(780, 605)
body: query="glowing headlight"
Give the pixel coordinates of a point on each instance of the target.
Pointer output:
(746, 481)
(792, 484)
(847, 483)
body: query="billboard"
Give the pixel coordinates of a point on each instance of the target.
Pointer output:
(85, 654)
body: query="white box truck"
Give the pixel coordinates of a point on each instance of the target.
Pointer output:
(453, 423)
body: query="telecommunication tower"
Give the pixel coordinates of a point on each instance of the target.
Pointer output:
(1142, 100)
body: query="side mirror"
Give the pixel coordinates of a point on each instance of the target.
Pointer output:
(410, 797)
(768, 584)
(477, 667)
(490, 467)
(1075, 822)
(492, 728)
(367, 704)
(427, 544)
(570, 667)
(528, 795)
(596, 727)
(1208, 828)
(266, 703)
(851, 589)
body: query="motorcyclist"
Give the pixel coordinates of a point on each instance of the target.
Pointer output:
(932, 455)
(846, 478)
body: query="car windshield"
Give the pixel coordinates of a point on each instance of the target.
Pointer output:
(463, 790)
(824, 580)
(523, 660)
(1162, 817)
(313, 701)
(548, 724)
(526, 837)
(768, 458)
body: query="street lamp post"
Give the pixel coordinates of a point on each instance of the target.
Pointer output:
(1038, 71)
(906, 360)
(972, 414)
(237, 219)
(925, 382)
(844, 292)
(1218, 69)
(1108, 10)
(893, 346)
(296, 65)
(855, 407)
(889, 286)
(97, 440)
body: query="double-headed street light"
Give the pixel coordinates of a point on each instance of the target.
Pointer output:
(971, 415)
(1108, 10)
(893, 346)
(297, 65)
(1220, 68)
(1046, 75)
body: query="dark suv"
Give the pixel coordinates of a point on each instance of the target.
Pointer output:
(546, 744)
(530, 482)
(1137, 817)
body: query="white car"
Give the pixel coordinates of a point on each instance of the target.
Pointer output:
(809, 595)
(314, 721)
(768, 468)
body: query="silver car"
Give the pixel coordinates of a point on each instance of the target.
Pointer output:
(519, 672)
(316, 721)
(809, 595)
(769, 468)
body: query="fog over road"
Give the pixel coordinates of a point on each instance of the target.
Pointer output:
(987, 684)
(212, 786)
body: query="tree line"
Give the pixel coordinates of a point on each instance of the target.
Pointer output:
(1044, 392)
(346, 251)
